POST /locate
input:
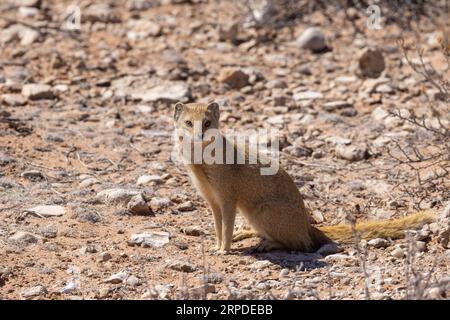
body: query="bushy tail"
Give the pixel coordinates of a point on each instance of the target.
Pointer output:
(394, 229)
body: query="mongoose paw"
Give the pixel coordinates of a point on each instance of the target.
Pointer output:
(244, 234)
(223, 251)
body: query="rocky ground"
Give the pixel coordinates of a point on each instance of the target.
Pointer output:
(93, 207)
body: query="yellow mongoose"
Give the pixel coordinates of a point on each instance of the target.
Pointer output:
(271, 204)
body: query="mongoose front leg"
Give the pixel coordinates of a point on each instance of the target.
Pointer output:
(217, 224)
(228, 217)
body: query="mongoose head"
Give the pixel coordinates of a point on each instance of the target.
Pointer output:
(195, 119)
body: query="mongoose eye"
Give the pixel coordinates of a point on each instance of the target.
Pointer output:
(188, 123)
(207, 124)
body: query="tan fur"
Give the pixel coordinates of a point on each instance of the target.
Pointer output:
(378, 229)
(271, 204)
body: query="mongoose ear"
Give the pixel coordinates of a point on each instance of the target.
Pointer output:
(178, 109)
(213, 107)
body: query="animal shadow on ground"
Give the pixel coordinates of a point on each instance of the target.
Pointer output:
(288, 259)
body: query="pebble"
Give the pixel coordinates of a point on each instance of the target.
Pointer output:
(137, 205)
(86, 214)
(214, 277)
(158, 204)
(329, 248)
(235, 78)
(117, 278)
(229, 32)
(336, 140)
(346, 79)
(105, 256)
(163, 290)
(194, 231)
(33, 175)
(276, 120)
(48, 210)
(336, 105)
(398, 253)
(186, 206)
(90, 248)
(313, 39)
(423, 235)
(26, 35)
(133, 281)
(276, 83)
(14, 100)
(339, 275)
(34, 292)
(145, 179)
(37, 91)
(259, 265)
(371, 62)
(379, 114)
(49, 232)
(6, 159)
(24, 237)
(307, 95)
(103, 292)
(381, 141)
(115, 196)
(284, 273)
(317, 216)
(421, 246)
(338, 257)
(62, 88)
(261, 286)
(54, 138)
(378, 243)
(100, 12)
(167, 91)
(89, 182)
(385, 88)
(199, 292)
(154, 239)
(142, 29)
(71, 287)
(183, 266)
(351, 152)
(434, 293)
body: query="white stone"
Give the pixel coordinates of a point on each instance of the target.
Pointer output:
(307, 95)
(259, 265)
(117, 278)
(171, 91)
(154, 239)
(48, 210)
(23, 236)
(398, 253)
(378, 243)
(313, 39)
(116, 195)
(33, 292)
(89, 182)
(145, 179)
(34, 91)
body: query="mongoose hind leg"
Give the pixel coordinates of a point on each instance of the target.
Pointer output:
(285, 224)
(244, 234)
